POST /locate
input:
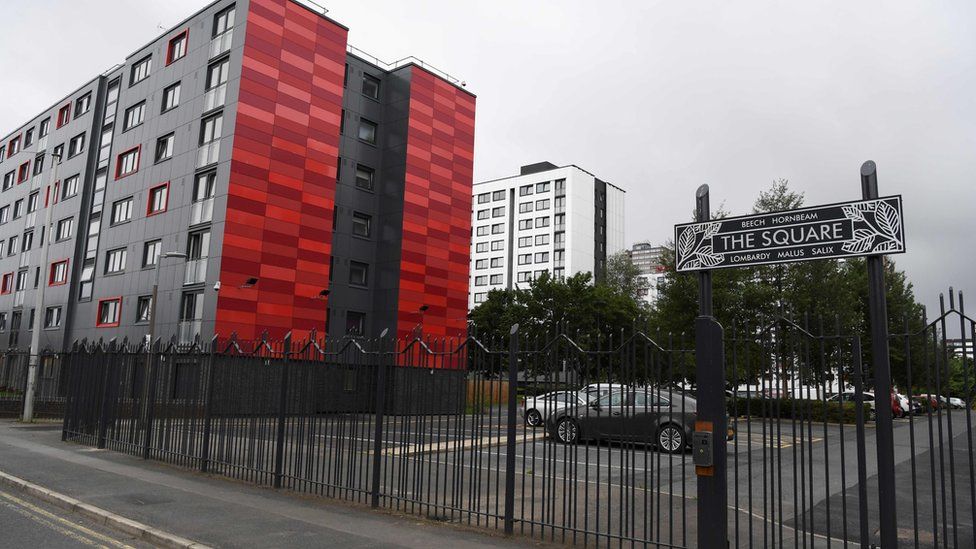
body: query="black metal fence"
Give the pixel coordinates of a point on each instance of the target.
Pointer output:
(556, 442)
(50, 392)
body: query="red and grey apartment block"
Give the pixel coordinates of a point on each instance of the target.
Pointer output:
(270, 175)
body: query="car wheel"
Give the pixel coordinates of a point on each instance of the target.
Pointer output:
(671, 439)
(533, 418)
(567, 431)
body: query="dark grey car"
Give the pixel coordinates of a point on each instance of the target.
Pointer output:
(651, 416)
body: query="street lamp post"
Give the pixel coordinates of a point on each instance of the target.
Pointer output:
(45, 234)
(155, 294)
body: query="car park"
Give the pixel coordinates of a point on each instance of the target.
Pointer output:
(658, 417)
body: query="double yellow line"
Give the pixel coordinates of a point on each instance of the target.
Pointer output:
(61, 525)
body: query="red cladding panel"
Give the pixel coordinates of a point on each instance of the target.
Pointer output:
(437, 208)
(278, 200)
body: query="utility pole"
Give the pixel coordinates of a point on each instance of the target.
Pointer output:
(45, 234)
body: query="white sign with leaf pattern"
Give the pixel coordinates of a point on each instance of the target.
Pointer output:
(849, 229)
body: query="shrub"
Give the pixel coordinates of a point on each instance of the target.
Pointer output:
(786, 408)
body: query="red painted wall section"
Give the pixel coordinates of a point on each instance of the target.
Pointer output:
(283, 173)
(437, 207)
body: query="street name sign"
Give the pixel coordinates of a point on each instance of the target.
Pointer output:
(849, 229)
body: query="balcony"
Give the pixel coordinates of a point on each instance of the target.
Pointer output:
(189, 331)
(221, 43)
(196, 271)
(201, 211)
(214, 98)
(208, 154)
(25, 258)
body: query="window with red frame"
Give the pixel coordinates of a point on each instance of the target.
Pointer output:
(64, 115)
(158, 199)
(7, 285)
(58, 274)
(127, 163)
(109, 312)
(24, 172)
(13, 147)
(177, 47)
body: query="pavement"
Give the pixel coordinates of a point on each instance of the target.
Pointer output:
(211, 511)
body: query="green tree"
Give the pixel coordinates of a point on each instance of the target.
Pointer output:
(625, 277)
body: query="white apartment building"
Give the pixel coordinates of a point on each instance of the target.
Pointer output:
(557, 219)
(647, 258)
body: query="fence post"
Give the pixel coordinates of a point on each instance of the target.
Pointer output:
(155, 357)
(378, 427)
(208, 408)
(282, 404)
(106, 382)
(510, 443)
(71, 394)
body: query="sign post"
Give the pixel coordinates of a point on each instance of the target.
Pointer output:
(711, 426)
(870, 227)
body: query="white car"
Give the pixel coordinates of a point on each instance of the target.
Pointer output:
(536, 409)
(957, 402)
(851, 396)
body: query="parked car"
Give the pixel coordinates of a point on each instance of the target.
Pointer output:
(536, 409)
(900, 406)
(851, 396)
(956, 402)
(926, 402)
(594, 391)
(652, 416)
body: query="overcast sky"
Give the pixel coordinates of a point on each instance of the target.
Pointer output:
(656, 97)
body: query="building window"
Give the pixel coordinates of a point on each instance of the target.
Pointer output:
(18, 208)
(70, 187)
(541, 239)
(367, 131)
(115, 260)
(8, 180)
(541, 257)
(482, 230)
(45, 129)
(23, 173)
(525, 224)
(171, 97)
(76, 146)
(21, 283)
(483, 214)
(542, 187)
(497, 245)
(539, 274)
(59, 151)
(498, 195)
(498, 212)
(140, 70)
(65, 229)
(109, 312)
(496, 279)
(218, 73)
(525, 190)
(134, 116)
(210, 128)
(150, 253)
(524, 241)
(4, 214)
(355, 323)
(143, 309)
(371, 86)
(52, 317)
(541, 222)
(525, 276)
(483, 198)
(481, 280)
(12, 245)
(27, 241)
(525, 207)
(560, 186)
(498, 228)
(58, 274)
(542, 204)
(481, 264)
(164, 147)
(121, 211)
(83, 104)
(127, 163)
(64, 115)
(177, 47)
(361, 224)
(496, 262)
(7, 285)
(525, 259)
(38, 164)
(364, 177)
(29, 138)
(3, 152)
(358, 273)
(191, 306)
(481, 247)
(224, 21)
(3, 322)
(158, 199)
(480, 297)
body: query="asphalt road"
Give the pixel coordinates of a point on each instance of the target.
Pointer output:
(27, 522)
